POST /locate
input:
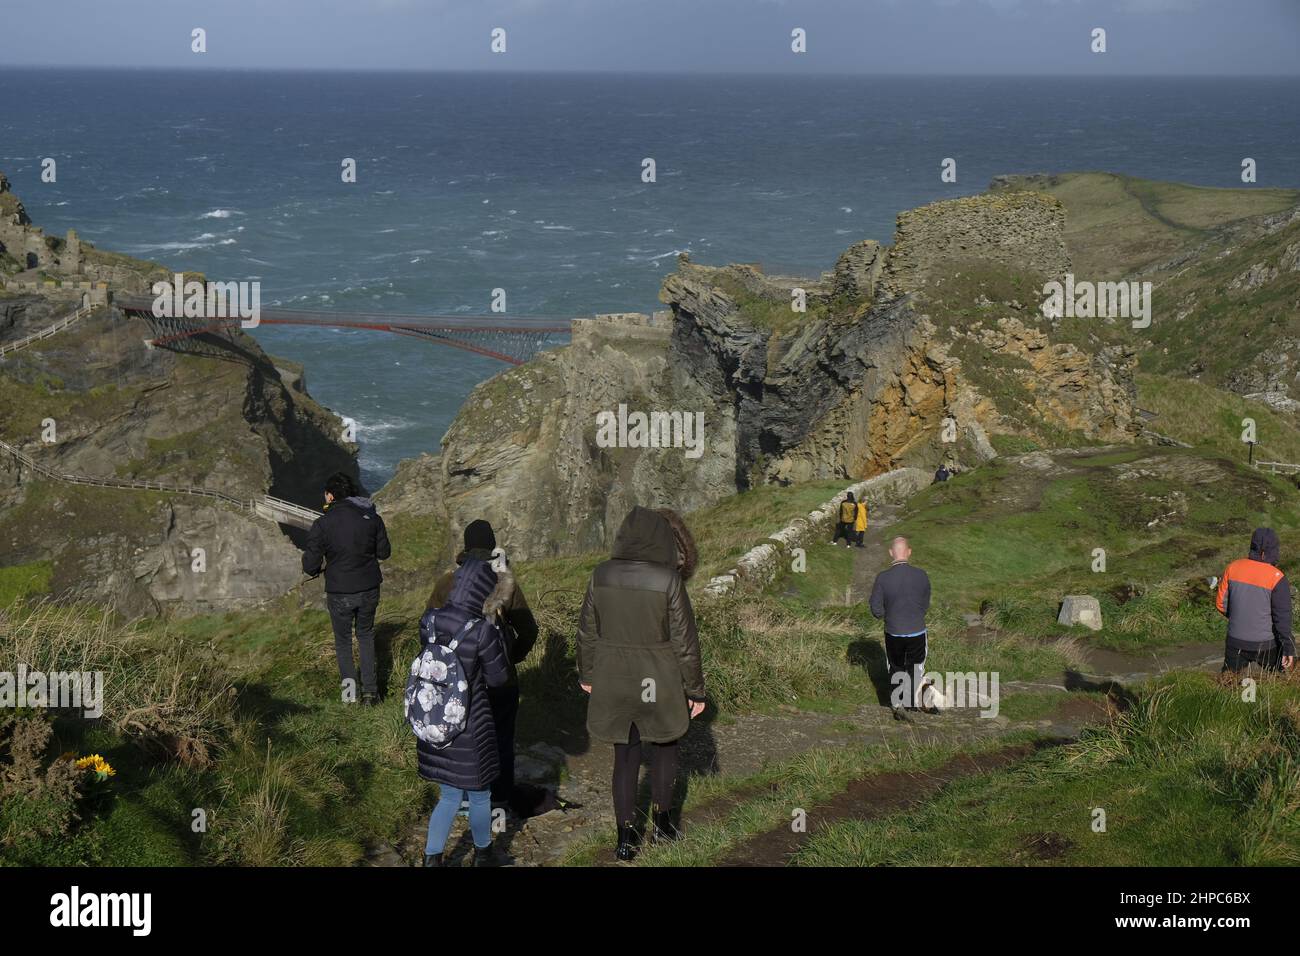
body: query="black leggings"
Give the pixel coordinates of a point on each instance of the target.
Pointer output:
(627, 770)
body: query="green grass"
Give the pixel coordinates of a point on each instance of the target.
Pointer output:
(1166, 518)
(1192, 776)
(21, 581)
(1211, 418)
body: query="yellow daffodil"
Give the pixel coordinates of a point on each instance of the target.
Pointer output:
(98, 764)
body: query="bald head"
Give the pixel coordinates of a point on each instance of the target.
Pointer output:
(899, 549)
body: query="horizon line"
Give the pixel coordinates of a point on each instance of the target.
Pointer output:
(600, 71)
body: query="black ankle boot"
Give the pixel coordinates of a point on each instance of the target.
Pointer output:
(627, 842)
(663, 830)
(483, 856)
(433, 859)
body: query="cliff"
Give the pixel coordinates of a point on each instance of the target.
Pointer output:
(874, 373)
(94, 400)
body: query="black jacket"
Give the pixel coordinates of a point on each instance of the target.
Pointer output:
(470, 761)
(351, 539)
(901, 595)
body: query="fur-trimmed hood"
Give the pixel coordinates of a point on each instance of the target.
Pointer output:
(501, 596)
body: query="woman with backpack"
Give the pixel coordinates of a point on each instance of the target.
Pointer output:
(639, 660)
(462, 654)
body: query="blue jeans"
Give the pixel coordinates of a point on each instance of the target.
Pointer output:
(444, 812)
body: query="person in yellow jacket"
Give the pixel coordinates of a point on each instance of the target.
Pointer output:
(844, 526)
(860, 522)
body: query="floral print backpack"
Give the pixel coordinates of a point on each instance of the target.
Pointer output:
(437, 694)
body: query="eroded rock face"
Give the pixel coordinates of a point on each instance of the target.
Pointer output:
(1088, 392)
(859, 384)
(119, 410)
(524, 451)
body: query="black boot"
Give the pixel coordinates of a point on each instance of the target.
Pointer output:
(628, 841)
(663, 830)
(483, 856)
(433, 859)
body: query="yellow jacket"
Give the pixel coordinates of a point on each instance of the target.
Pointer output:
(861, 523)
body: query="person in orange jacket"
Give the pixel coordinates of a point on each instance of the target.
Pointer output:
(1255, 596)
(860, 522)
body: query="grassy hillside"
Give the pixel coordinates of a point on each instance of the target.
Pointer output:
(1115, 225)
(1190, 776)
(289, 776)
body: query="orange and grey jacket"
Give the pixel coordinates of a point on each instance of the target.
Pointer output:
(1255, 596)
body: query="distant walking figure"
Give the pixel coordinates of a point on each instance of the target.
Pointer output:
(848, 515)
(1255, 596)
(860, 523)
(943, 474)
(351, 540)
(639, 659)
(901, 595)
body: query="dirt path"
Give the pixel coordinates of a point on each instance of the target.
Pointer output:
(873, 796)
(741, 746)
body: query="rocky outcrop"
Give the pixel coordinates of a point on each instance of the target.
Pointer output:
(1087, 392)
(94, 400)
(525, 452)
(857, 384)
(1022, 229)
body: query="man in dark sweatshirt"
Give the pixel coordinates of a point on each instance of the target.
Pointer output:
(351, 540)
(1255, 597)
(901, 595)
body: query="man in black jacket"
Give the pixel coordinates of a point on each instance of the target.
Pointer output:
(351, 539)
(901, 595)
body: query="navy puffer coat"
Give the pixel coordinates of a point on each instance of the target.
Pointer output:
(470, 760)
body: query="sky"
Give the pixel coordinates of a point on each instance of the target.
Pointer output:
(1160, 37)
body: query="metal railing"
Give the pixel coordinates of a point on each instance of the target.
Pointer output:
(268, 507)
(1278, 467)
(45, 333)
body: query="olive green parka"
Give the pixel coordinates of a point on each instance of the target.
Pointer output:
(637, 645)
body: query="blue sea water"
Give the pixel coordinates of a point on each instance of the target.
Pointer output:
(532, 183)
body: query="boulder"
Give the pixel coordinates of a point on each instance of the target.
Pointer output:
(1080, 609)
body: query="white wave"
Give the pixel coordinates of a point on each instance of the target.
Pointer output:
(220, 214)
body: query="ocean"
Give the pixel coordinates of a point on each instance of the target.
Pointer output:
(532, 183)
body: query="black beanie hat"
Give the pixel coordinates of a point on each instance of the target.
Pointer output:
(478, 534)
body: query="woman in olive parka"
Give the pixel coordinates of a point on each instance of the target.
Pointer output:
(639, 659)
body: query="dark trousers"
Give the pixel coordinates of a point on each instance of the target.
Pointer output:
(345, 611)
(505, 711)
(1268, 657)
(906, 655)
(843, 529)
(627, 771)
(860, 536)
